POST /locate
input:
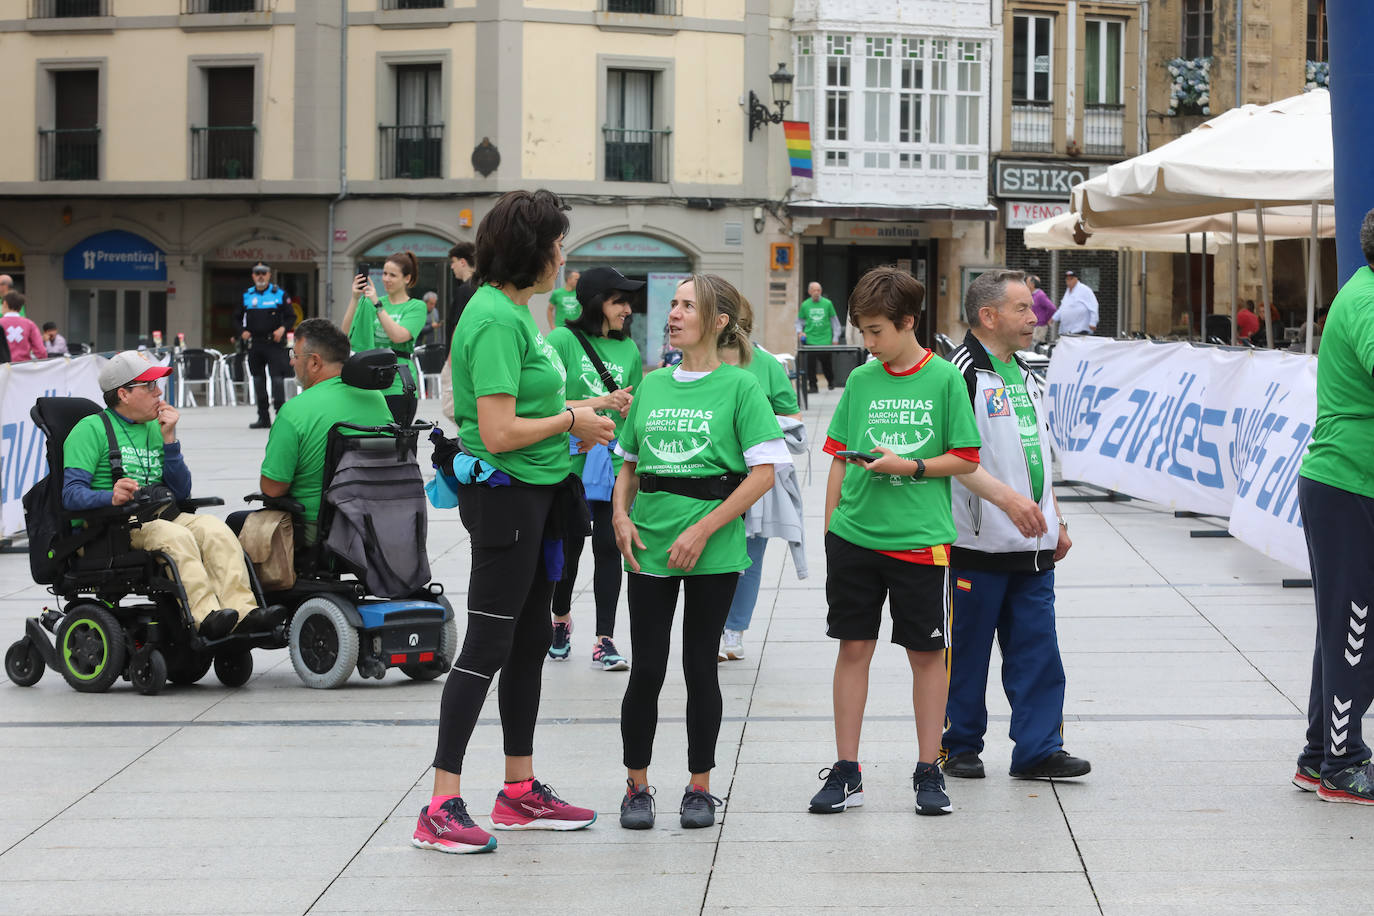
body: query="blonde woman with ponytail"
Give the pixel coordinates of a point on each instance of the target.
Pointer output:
(699, 446)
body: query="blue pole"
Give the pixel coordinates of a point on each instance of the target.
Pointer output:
(1352, 125)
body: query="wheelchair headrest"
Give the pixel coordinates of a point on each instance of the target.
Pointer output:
(56, 416)
(372, 370)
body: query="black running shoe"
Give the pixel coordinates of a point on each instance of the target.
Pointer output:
(929, 784)
(637, 807)
(1058, 765)
(698, 808)
(844, 788)
(561, 645)
(967, 765)
(1354, 785)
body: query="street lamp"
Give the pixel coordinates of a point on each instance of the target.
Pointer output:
(782, 97)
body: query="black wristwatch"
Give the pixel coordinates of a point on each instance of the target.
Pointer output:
(377, 303)
(920, 469)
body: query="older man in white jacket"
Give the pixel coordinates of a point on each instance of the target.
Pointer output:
(1010, 535)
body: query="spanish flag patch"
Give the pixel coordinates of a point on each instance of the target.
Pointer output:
(963, 584)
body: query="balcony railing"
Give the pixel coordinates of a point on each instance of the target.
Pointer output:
(195, 7)
(69, 154)
(636, 155)
(412, 150)
(67, 9)
(223, 152)
(1104, 130)
(413, 4)
(1032, 127)
(646, 7)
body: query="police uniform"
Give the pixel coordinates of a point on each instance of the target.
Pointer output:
(262, 313)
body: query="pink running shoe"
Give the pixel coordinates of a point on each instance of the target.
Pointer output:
(538, 809)
(451, 830)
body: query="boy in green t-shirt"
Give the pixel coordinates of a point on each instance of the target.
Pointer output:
(902, 428)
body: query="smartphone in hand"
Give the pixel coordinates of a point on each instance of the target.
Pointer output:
(865, 457)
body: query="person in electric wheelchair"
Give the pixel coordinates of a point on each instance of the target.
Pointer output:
(208, 557)
(358, 587)
(111, 538)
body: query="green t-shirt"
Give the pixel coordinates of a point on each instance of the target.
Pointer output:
(1025, 421)
(367, 333)
(565, 306)
(772, 378)
(815, 315)
(1343, 438)
(699, 428)
(140, 450)
(497, 349)
(620, 357)
(922, 414)
(296, 445)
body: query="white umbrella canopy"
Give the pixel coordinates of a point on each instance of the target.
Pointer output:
(1265, 155)
(1063, 231)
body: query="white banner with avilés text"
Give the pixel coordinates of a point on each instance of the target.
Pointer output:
(1197, 428)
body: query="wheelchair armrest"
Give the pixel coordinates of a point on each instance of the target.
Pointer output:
(198, 502)
(105, 514)
(284, 503)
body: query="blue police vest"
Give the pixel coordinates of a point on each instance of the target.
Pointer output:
(270, 298)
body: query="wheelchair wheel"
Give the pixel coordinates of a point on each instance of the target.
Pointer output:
(324, 644)
(90, 646)
(24, 663)
(190, 669)
(149, 673)
(448, 650)
(234, 668)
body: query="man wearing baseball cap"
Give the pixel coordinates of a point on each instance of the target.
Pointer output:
(1077, 312)
(263, 320)
(207, 555)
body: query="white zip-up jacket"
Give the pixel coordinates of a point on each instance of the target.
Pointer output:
(987, 539)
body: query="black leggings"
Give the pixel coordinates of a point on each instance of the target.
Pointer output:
(605, 573)
(508, 620)
(653, 602)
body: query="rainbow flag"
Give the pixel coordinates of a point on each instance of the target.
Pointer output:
(798, 134)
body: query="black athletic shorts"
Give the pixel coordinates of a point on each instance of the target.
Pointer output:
(857, 582)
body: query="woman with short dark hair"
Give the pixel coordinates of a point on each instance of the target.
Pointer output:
(508, 396)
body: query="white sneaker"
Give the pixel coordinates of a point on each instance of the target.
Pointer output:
(731, 645)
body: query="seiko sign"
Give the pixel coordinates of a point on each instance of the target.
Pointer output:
(1038, 180)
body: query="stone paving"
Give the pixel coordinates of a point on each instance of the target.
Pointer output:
(1187, 680)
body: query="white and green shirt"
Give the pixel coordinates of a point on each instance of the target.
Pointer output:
(621, 359)
(1018, 400)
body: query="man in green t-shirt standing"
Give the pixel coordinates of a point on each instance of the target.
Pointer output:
(208, 557)
(294, 463)
(818, 326)
(563, 304)
(1010, 535)
(1336, 496)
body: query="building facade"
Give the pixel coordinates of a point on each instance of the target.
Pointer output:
(177, 142)
(900, 101)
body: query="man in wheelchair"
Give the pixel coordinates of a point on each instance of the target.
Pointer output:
(145, 449)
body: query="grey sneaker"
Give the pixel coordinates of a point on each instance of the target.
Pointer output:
(637, 807)
(698, 808)
(731, 645)
(929, 783)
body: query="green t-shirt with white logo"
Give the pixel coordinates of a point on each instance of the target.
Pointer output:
(621, 359)
(815, 315)
(1015, 398)
(1343, 438)
(565, 306)
(300, 435)
(140, 450)
(772, 378)
(698, 428)
(920, 414)
(497, 349)
(367, 333)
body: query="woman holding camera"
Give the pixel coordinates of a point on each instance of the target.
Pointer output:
(508, 397)
(392, 323)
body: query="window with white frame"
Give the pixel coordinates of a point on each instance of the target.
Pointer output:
(895, 101)
(1102, 61)
(805, 98)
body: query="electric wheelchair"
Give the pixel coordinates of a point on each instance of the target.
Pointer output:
(362, 596)
(91, 569)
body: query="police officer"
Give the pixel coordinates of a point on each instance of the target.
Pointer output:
(264, 318)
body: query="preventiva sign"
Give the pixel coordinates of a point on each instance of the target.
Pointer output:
(1038, 180)
(115, 256)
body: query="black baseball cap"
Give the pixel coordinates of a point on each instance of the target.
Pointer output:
(601, 280)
